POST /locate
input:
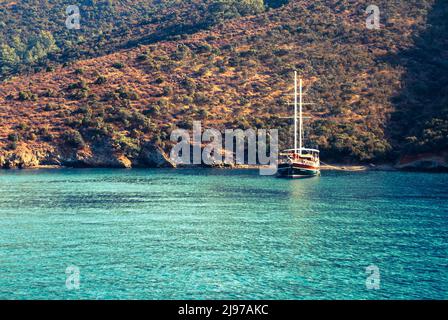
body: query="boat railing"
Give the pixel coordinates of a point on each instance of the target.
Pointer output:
(303, 149)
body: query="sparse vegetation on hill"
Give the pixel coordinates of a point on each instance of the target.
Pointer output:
(34, 36)
(379, 93)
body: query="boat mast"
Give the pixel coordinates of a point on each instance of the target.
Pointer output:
(300, 103)
(295, 111)
(301, 117)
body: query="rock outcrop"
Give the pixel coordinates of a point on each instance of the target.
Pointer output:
(88, 158)
(424, 162)
(154, 157)
(22, 157)
(99, 155)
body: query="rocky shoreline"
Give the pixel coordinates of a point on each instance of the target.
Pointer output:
(95, 156)
(151, 156)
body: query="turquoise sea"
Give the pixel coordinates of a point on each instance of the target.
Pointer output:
(222, 234)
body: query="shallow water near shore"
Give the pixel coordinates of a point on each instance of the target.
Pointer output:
(222, 234)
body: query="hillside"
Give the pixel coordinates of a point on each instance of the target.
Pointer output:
(381, 93)
(34, 36)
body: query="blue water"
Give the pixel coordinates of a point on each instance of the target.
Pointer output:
(218, 234)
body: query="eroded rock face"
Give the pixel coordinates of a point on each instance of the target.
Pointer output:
(97, 160)
(424, 162)
(154, 157)
(22, 157)
(99, 155)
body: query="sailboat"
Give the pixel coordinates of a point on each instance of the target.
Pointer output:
(299, 162)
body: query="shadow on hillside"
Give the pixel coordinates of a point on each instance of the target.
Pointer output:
(425, 85)
(177, 31)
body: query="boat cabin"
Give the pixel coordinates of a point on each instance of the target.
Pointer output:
(304, 153)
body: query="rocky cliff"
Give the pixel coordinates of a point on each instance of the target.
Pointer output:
(101, 155)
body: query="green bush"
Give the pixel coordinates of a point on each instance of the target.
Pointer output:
(101, 80)
(27, 96)
(73, 139)
(118, 65)
(13, 137)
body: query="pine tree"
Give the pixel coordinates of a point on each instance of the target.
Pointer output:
(8, 58)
